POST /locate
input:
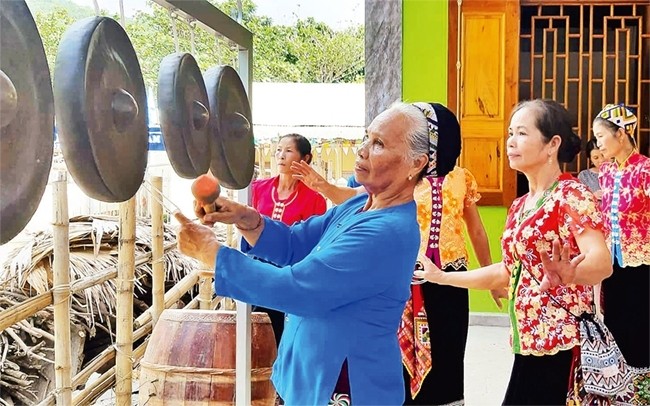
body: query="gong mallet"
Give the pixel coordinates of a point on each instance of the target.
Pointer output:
(206, 190)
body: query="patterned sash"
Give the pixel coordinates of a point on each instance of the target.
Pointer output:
(413, 335)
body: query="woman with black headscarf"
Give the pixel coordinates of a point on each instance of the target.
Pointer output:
(433, 332)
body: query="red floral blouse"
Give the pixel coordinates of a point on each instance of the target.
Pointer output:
(626, 201)
(539, 326)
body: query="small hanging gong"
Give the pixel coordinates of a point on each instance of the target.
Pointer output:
(101, 109)
(184, 115)
(26, 118)
(233, 148)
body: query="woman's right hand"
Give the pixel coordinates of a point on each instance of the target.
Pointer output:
(228, 212)
(308, 175)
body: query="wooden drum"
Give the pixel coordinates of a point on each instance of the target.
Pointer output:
(190, 359)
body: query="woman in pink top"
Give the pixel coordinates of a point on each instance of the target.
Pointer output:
(286, 199)
(626, 207)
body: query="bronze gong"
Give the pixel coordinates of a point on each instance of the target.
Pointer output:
(184, 115)
(233, 148)
(26, 118)
(101, 109)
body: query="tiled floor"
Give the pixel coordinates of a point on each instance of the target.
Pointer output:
(487, 367)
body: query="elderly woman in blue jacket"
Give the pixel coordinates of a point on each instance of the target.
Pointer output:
(343, 277)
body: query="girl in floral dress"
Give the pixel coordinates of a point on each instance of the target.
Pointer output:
(626, 208)
(553, 251)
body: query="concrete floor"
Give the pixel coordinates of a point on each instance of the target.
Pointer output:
(488, 362)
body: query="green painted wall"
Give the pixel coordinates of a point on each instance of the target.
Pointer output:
(424, 78)
(424, 50)
(494, 219)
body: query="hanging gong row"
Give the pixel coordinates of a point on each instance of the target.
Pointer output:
(99, 99)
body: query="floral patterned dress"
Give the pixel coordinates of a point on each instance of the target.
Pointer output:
(540, 323)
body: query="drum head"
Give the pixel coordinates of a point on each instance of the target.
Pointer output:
(101, 109)
(184, 115)
(26, 118)
(233, 147)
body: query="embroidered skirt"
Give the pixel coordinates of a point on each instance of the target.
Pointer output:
(447, 311)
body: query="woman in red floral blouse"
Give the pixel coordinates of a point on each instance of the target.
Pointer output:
(626, 208)
(553, 251)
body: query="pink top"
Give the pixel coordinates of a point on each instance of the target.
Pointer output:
(626, 209)
(300, 205)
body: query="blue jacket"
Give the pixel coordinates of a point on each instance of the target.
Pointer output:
(344, 278)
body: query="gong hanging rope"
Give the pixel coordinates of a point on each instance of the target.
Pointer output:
(192, 24)
(172, 17)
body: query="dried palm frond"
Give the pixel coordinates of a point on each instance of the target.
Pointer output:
(93, 248)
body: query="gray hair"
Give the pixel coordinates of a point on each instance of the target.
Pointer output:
(417, 129)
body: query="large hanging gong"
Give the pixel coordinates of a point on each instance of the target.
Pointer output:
(233, 148)
(26, 118)
(101, 109)
(184, 115)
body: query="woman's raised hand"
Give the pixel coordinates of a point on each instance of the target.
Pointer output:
(559, 268)
(308, 175)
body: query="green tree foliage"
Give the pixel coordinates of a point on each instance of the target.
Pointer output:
(308, 51)
(52, 26)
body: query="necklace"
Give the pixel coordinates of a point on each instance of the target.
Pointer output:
(525, 213)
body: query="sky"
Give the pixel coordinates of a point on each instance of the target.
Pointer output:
(338, 14)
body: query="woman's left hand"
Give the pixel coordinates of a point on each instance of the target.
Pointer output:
(308, 175)
(559, 269)
(197, 241)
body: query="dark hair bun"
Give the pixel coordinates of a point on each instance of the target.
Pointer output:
(570, 147)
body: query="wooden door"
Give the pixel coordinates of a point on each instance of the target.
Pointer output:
(484, 90)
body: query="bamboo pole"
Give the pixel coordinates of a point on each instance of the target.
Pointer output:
(205, 290)
(29, 307)
(92, 392)
(21, 311)
(61, 291)
(158, 265)
(124, 283)
(171, 296)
